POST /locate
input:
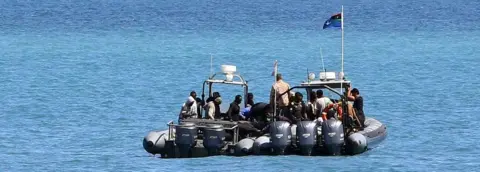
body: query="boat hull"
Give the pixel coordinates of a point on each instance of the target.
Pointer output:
(356, 143)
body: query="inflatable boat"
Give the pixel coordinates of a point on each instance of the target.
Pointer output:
(197, 137)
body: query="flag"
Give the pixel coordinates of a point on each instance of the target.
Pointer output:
(274, 68)
(334, 21)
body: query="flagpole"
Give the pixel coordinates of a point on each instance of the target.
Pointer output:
(342, 74)
(342, 36)
(275, 91)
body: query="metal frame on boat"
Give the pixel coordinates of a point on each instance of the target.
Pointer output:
(203, 125)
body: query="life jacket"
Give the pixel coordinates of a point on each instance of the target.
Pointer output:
(330, 106)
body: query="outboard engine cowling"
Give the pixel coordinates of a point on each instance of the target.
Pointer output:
(332, 132)
(213, 138)
(185, 136)
(280, 135)
(307, 136)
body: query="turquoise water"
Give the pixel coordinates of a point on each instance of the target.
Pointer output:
(82, 82)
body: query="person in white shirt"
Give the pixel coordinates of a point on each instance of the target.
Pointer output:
(211, 108)
(321, 103)
(189, 109)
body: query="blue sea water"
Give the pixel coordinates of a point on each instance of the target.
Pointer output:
(82, 82)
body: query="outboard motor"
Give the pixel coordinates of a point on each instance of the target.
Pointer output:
(213, 138)
(332, 132)
(185, 136)
(280, 135)
(306, 136)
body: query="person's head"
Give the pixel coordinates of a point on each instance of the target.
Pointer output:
(279, 77)
(319, 93)
(313, 96)
(193, 94)
(250, 96)
(238, 99)
(216, 94)
(355, 92)
(331, 113)
(298, 96)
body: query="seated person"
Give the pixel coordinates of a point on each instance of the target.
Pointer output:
(357, 112)
(297, 109)
(233, 112)
(321, 103)
(212, 108)
(189, 109)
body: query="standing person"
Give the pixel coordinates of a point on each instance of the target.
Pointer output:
(354, 95)
(233, 112)
(278, 88)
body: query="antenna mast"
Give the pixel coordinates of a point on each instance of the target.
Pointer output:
(211, 64)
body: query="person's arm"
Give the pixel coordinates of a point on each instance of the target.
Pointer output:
(180, 116)
(349, 94)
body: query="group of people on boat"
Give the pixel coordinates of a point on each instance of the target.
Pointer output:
(292, 108)
(289, 107)
(192, 108)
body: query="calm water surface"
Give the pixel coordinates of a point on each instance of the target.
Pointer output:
(82, 82)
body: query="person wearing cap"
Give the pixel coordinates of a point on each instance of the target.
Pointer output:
(189, 109)
(277, 89)
(212, 106)
(212, 110)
